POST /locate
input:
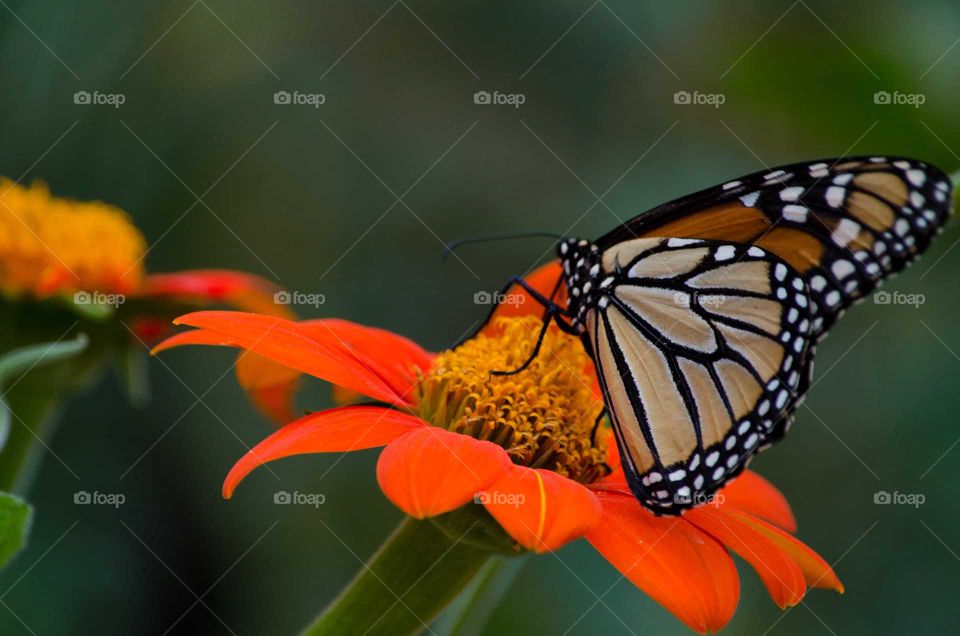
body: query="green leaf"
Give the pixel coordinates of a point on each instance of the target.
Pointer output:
(15, 518)
(13, 363)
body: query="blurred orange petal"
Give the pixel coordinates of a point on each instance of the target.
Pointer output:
(540, 509)
(679, 566)
(269, 385)
(344, 429)
(238, 289)
(431, 470)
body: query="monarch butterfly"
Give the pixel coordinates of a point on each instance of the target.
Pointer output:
(702, 315)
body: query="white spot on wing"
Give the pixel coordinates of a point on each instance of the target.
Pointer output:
(845, 232)
(835, 196)
(795, 213)
(724, 252)
(791, 194)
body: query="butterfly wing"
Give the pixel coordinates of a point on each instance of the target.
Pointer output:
(844, 224)
(699, 348)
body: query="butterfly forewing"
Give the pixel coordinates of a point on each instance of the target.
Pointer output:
(843, 224)
(699, 348)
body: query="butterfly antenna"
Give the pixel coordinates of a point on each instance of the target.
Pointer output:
(453, 245)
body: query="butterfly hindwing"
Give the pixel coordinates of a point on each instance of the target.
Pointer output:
(699, 348)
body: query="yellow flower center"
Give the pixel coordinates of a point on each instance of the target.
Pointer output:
(50, 245)
(543, 416)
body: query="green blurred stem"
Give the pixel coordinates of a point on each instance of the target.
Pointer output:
(470, 613)
(414, 575)
(33, 418)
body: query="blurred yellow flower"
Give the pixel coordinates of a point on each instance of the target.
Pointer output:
(50, 245)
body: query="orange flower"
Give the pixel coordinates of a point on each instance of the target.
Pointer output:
(520, 446)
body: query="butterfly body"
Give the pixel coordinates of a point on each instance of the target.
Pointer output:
(702, 315)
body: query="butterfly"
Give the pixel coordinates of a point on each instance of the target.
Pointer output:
(702, 315)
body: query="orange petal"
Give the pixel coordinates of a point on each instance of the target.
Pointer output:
(780, 574)
(269, 385)
(239, 289)
(816, 571)
(195, 337)
(543, 279)
(289, 344)
(344, 429)
(432, 471)
(753, 494)
(540, 509)
(393, 357)
(679, 566)
(616, 476)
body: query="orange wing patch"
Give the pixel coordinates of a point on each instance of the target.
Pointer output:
(727, 222)
(801, 250)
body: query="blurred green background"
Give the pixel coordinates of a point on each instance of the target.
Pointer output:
(308, 196)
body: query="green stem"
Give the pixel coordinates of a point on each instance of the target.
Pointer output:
(416, 573)
(469, 614)
(33, 418)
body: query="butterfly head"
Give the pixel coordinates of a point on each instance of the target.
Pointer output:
(582, 273)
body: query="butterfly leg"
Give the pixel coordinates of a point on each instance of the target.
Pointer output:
(596, 426)
(502, 294)
(536, 348)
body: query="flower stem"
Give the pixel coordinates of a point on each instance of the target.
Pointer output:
(416, 573)
(469, 614)
(33, 418)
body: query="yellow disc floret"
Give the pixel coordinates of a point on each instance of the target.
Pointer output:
(50, 245)
(542, 416)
